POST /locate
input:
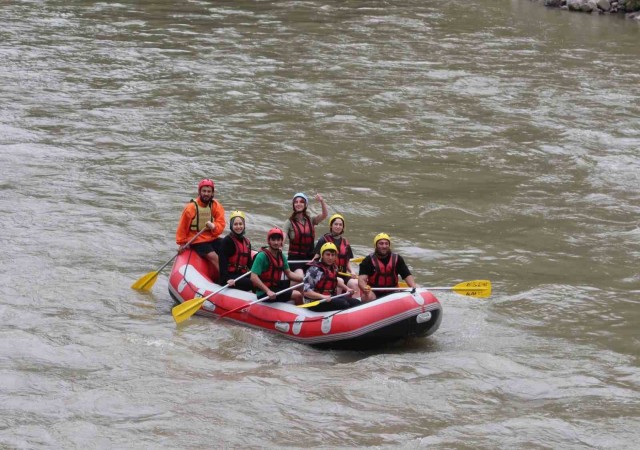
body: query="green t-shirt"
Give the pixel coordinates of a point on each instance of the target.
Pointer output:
(261, 265)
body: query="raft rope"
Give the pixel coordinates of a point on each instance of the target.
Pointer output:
(184, 277)
(305, 320)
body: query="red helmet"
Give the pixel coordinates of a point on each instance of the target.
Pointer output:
(273, 232)
(205, 182)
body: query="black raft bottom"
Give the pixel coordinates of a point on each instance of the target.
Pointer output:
(406, 329)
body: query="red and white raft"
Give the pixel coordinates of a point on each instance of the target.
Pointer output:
(397, 316)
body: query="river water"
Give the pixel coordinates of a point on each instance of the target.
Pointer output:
(492, 139)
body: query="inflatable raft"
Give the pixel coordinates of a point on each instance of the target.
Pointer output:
(397, 316)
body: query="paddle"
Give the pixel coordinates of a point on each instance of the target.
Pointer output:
(259, 300)
(188, 308)
(402, 284)
(146, 282)
(317, 302)
(475, 288)
(407, 289)
(344, 274)
(357, 260)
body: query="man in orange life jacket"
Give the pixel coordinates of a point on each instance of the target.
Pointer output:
(321, 282)
(268, 267)
(203, 212)
(381, 269)
(235, 254)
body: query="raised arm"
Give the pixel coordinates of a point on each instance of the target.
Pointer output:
(325, 212)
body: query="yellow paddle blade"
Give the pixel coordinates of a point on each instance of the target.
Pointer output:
(403, 284)
(309, 305)
(187, 309)
(146, 282)
(475, 288)
(357, 260)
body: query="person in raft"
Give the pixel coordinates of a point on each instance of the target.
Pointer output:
(381, 268)
(235, 254)
(203, 212)
(321, 282)
(300, 230)
(268, 267)
(345, 254)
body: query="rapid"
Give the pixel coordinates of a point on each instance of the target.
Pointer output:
(491, 139)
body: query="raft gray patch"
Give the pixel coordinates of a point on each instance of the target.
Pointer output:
(326, 324)
(209, 306)
(297, 325)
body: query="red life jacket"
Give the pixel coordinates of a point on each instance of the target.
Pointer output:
(384, 275)
(329, 282)
(240, 261)
(343, 252)
(271, 276)
(302, 243)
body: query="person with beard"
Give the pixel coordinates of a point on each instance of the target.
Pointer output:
(344, 255)
(300, 230)
(203, 212)
(321, 282)
(268, 268)
(235, 254)
(381, 268)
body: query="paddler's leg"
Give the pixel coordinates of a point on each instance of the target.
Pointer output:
(212, 257)
(208, 251)
(297, 297)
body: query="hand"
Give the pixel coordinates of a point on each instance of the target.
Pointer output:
(211, 225)
(367, 288)
(271, 294)
(231, 282)
(182, 248)
(354, 275)
(319, 198)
